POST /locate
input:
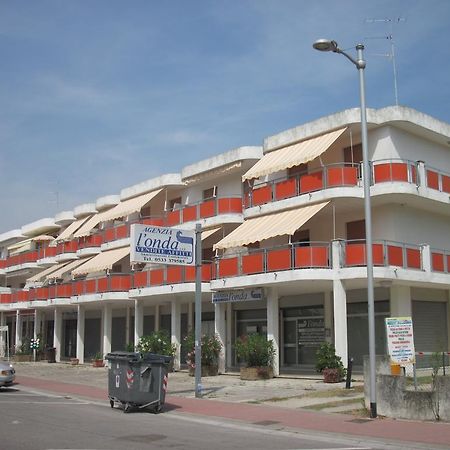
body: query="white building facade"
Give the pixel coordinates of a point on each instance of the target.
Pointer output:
(283, 244)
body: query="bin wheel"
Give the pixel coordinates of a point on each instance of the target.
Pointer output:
(127, 408)
(111, 403)
(157, 409)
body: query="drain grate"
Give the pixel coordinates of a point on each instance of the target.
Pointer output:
(266, 422)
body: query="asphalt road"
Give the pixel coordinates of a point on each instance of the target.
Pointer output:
(38, 421)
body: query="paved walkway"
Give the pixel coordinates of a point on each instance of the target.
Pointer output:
(256, 403)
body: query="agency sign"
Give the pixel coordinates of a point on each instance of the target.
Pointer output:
(400, 339)
(162, 245)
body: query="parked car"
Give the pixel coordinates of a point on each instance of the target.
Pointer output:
(7, 374)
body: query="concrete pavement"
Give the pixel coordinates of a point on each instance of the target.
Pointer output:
(279, 403)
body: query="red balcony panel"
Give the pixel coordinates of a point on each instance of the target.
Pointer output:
(21, 296)
(63, 290)
(286, 189)
(208, 209)
(5, 298)
(311, 257)
(157, 277)
(122, 231)
(77, 288)
(228, 267)
(413, 258)
(41, 293)
(413, 174)
(355, 254)
(103, 284)
(90, 286)
(189, 274)
(140, 279)
(173, 218)
(47, 252)
(120, 283)
(378, 254)
(448, 263)
(253, 263)
(433, 179)
(2, 263)
(109, 235)
(342, 176)
(395, 255)
(391, 172)
(262, 195)
(67, 247)
(189, 213)
(229, 205)
(247, 200)
(174, 274)
(207, 272)
(437, 262)
(311, 182)
(156, 221)
(278, 259)
(95, 240)
(445, 183)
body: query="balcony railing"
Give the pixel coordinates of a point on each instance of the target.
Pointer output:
(46, 252)
(3, 263)
(122, 231)
(438, 180)
(92, 241)
(23, 258)
(384, 253)
(440, 261)
(111, 283)
(288, 257)
(67, 247)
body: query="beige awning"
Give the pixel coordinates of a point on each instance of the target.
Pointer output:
(67, 233)
(129, 206)
(265, 227)
(102, 261)
(213, 173)
(87, 226)
(42, 274)
(65, 268)
(292, 155)
(20, 247)
(207, 233)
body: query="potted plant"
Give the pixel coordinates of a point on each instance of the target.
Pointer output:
(257, 352)
(329, 364)
(158, 342)
(211, 347)
(97, 360)
(23, 352)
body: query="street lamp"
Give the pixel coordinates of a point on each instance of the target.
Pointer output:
(325, 45)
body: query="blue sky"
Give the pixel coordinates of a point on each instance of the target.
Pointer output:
(99, 95)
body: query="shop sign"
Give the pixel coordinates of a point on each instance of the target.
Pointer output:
(400, 339)
(238, 295)
(162, 245)
(311, 332)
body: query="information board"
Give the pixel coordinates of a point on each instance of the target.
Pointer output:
(400, 339)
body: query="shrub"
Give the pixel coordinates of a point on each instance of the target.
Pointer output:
(255, 350)
(326, 358)
(157, 342)
(211, 347)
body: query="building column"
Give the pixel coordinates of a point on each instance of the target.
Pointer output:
(426, 258)
(220, 330)
(57, 333)
(400, 301)
(18, 337)
(2, 335)
(138, 321)
(421, 178)
(340, 320)
(229, 333)
(107, 328)
(175, 338)
(157, 318)
(81, 316)
(273, 327)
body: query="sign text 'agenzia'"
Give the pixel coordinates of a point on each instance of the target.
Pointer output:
(162, 245)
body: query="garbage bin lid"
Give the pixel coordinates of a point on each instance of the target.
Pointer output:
(156, 358)
(128, 356)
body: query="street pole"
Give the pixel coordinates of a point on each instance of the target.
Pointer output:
(198, 310)
(360, 63)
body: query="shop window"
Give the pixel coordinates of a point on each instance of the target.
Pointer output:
(353, 154)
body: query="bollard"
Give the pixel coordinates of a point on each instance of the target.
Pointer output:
(348, 382)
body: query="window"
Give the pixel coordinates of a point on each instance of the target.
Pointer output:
(353, 154)
(356, 230)
(174, 204)
(210, 193)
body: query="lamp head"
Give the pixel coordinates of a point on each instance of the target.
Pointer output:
(325, 45)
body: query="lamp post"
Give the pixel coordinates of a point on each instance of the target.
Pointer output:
(325, 45)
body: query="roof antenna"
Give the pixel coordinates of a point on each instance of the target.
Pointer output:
(389, 21)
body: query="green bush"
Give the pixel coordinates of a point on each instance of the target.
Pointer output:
(255, 350)
(157, 342)
(326, 358)
(211, 347)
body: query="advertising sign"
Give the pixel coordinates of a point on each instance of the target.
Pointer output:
(238, 295)
(162, 245)
(400, 339)
(311, 332)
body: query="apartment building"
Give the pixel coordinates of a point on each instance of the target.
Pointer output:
(283, 240)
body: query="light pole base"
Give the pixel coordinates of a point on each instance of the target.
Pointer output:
(373, 410)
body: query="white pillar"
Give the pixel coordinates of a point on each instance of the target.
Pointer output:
(18, 340)
(37, 323)
(220, 330)
(127, 326)
(157, 318)
(273, 328)
(229, 324)
(328, 314)
(57, 333)
(400, 302)
(426, 258)
(138, 321)
(176, 330)
(81, 316)
(340, 320)
(107, 328)
(2, 335)
(422, 178)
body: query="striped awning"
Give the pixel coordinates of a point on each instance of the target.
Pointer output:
(85, 229)
(207, 233)
(70, 230)
(43, 273)
(265, 227)
(292, 155)
(66, 268)
(129, 206)
(102, 261)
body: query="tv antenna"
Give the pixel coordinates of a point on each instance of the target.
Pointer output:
(389, 21)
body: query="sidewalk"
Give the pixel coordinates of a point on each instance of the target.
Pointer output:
(279, 403)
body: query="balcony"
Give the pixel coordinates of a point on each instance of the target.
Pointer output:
(203, 210)
(22, 258)
(437, 180)
(66, 251)
(122, 231)
(440, 261)
(171, 275)
(101, 285)
(46, 252)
